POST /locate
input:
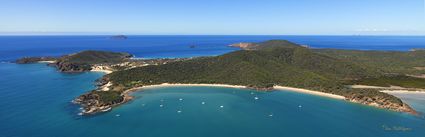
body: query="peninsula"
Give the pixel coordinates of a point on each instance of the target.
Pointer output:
(262, 66)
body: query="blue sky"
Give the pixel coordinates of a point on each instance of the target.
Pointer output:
(213, 17)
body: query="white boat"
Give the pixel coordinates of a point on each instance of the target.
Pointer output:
(108, 109)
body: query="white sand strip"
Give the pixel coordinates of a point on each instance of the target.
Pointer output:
(310, 92)
(190, 85)
(238, 86)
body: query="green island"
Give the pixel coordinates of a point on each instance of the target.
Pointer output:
(260, 66)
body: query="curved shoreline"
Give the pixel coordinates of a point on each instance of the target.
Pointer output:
(103, 71)
(128, 97)
(299, 90)
(193, 85)
(311, 92)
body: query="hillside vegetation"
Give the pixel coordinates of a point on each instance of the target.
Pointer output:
(401, 81)
(83, 61)
(389, 62)
(95, 57)
(273, 63)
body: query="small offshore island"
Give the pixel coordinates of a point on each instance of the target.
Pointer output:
(275, 64)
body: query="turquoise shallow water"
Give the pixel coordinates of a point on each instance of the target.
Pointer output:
(35, 101)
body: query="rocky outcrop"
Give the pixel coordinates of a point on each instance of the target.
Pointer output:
(71, 67)
(381, 102)
(62, 66)
(100, 100)
(93, 103)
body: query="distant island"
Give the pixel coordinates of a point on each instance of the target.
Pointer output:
(275, 64)
(119, 37)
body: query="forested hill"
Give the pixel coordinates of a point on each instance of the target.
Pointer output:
(95, 57)
(83, 61)
(269, 63)
(390, 62)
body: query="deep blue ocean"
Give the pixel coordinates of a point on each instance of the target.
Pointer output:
(35, 100)
(12, 47)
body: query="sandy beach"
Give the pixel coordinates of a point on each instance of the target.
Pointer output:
(376, 87)
(402, 91)
(100, 70)
(190, 85)
(318, 93)
(306, 91)
(46, 61)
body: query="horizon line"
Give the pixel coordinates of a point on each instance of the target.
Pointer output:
(114, 34)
